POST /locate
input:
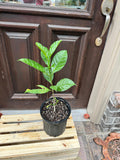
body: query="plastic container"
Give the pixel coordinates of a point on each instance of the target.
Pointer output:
(55, 128)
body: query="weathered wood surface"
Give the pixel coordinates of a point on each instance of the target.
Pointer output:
(23, 137)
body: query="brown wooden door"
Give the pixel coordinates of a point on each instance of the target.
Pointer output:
(21, 26)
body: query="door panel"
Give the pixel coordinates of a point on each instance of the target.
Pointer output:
(74, 40)
(19, 41)
(21, 27)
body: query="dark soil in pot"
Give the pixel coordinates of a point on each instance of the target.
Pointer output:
(54, 120)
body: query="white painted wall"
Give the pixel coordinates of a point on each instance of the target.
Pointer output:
(108, 76)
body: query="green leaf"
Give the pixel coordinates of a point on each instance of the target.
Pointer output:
(38, 91)
(53, 88)
(32, 63)
(43, 87)
(54, 46)
(59, 61)
(48, 75)
(44, 53)
(63, 85)
(42, 48)
(46, 60)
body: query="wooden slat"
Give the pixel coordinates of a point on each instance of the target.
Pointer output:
(31, 142)
(39, 148)
(33, 136)
(21, 117)
(27, 126)
(15, 127)
(64, 155)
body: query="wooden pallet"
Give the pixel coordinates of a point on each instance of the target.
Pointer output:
(22, 138)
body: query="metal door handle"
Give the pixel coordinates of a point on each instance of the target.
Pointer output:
(106, 8)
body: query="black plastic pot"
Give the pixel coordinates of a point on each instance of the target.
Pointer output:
(55, 128)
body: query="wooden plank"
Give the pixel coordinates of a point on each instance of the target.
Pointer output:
(15, 127)
(34, 136)
(65, 155)
(27, 126)
(31, 142)
(39, 148)
(21, 117)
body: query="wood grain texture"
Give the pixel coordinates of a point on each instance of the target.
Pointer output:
(21, 138)
(15, 127)
(75, 40)
(22, 26)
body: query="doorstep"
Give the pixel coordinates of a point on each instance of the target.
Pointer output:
(22, 137)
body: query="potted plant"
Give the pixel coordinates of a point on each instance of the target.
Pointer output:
(54, 111)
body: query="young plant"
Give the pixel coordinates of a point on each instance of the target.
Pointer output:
(53, 65)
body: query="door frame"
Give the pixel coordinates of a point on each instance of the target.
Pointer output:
(108, 76)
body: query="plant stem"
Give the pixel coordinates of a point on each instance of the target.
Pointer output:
(54, 100)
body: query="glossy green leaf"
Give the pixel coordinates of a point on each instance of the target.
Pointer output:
(32, 63)
(42, 87)
(48, 75)
(38, 91)
(54, 46)
(46, 60)
(63, 85)
(53, 88)
(44, 53)
(59, 61)
(42, 48)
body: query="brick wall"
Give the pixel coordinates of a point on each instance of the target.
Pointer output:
(111, 117)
